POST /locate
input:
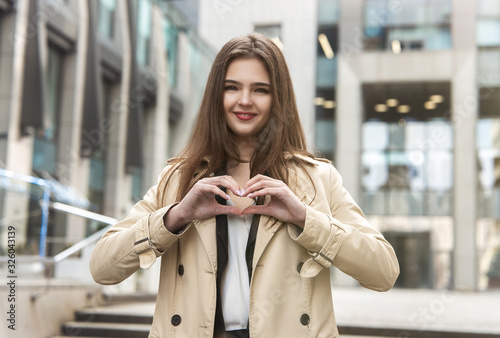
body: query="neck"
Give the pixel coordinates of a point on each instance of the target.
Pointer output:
(245, 149)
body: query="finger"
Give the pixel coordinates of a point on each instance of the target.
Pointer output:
(233, 185)
(257, 178)
(261, 185)
(214, 189)
(257, 209)
(224, 181)
(266, 191)
(232, 180)
(228, 210)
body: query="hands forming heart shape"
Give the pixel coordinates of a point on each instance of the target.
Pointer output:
(200, 202)
(240, 202)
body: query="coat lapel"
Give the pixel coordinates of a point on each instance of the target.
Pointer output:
(265, 233)
(206, 230)
(302, 188)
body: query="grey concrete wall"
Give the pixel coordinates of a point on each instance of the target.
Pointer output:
(465, 109)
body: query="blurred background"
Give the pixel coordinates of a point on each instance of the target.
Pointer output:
(402, 95)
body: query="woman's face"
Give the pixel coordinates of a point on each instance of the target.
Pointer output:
(247, 97)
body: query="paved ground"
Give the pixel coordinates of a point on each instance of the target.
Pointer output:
(409, 313)
(419, 310)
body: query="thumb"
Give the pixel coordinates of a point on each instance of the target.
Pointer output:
(256, 209)
(228, 210)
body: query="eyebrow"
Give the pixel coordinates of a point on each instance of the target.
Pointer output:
(254, 84)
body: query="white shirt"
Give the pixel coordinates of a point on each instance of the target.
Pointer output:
(235, 295)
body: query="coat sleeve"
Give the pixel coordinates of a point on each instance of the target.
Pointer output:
(132, 243)
(347, 241)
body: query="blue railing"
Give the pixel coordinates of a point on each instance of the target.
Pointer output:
(50, 188)
(56, 191)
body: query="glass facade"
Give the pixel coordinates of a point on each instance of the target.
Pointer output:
(106, 17)
(407, 25)
(144, 24)
(271, 31)
(171, 44)
(45, 146)
(488, 143)
(326, 78)
(137, 172)
(97, 173)
(45, 152)
(407, 175)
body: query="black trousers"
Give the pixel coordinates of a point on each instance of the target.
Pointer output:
(238, 334)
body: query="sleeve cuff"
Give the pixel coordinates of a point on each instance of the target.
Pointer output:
(322, 237)
(316, 230)
(152, 238)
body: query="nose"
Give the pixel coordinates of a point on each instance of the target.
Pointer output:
(245, 98)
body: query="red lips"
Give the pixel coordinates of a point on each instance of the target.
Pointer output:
(244, 116)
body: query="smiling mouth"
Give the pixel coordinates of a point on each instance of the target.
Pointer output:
(244, 115)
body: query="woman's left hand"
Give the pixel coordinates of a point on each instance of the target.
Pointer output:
(284, 205)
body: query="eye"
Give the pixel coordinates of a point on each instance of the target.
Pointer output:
(262, 90)
(230, 87)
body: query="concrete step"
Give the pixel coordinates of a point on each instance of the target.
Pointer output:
(377, 331)
(90, 337)
(111, 299)
(349, 336)
(93, 329)
(100, 316)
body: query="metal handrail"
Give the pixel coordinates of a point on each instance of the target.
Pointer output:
(48, 186)
(75, 247)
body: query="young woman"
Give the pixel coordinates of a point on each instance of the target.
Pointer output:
(246, 221)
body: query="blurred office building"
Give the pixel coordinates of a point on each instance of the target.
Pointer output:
(94, 97)
(403, 96)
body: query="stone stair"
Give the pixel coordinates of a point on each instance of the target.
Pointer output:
(119, 318)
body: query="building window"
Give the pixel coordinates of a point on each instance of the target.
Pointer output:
(488, 152)
(171, 43)
(143, 31)
(106, 17)
(488, 23)
(45, 152)
(407, 149)
(488, 144)
(488, 41)
(137, 191)
(97, 173)
(45, 146)
(407, 25)
(407, 173)
(328, 12)
(325, 136)
(136, 169)
(326, 78)
(1, 40)
(271, 31)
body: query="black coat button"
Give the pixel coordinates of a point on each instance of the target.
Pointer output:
(299, 266)
(304, 319)
(176, 320)
(181, 269)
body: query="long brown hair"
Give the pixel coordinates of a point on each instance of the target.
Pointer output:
(212, 144)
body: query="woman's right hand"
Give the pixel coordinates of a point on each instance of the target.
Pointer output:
(200, 203)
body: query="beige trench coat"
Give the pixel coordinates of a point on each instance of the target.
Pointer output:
(290, 291)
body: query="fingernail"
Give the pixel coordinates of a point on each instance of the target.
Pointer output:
(250, 195)
(242, 192)
(228, 197)
(239, 192)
